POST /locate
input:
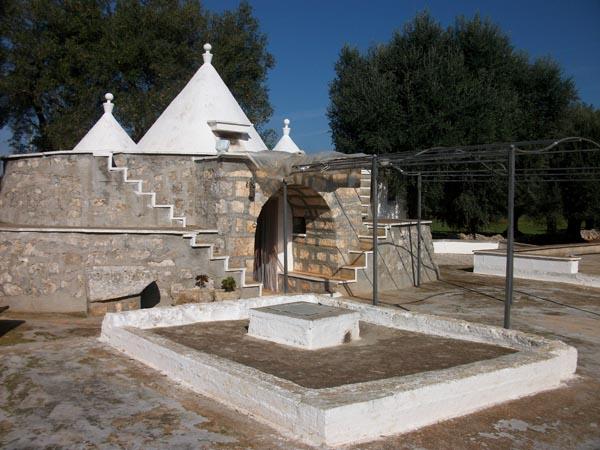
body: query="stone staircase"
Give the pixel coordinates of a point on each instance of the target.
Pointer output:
(220, 269)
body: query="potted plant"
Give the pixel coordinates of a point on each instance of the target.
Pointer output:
(202, 292)
(227, 291)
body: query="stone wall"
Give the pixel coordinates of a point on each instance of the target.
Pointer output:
(225, 202)
(316, 259)
(316, 250)
(233, 193)
(72, 190)
(172, 177)
(64, 271)
(398, 257)
(78, 190)
(397, 261)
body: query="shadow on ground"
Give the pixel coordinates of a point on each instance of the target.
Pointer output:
(8, 325)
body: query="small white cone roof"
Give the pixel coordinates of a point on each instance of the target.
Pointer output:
(286, 143)
(107, 135)
(184, 126)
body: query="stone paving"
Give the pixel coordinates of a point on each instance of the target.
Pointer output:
(61, 388)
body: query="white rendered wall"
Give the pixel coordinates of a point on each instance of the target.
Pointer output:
(536, 267)
(461, 247)
(526, 266)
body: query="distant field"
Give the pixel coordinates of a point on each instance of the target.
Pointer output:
(527, 226)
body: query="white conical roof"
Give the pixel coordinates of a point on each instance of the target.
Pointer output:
(286, 143)
(204, 112)
(107, 135)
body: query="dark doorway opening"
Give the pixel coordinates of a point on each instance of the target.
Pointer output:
(150, 296)
(265, 245)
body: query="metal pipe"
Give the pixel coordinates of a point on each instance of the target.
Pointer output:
(510, 237)
(285, 238)
(419, 229)
(375, 212)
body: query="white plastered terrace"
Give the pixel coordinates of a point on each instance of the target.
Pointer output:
(353, 412)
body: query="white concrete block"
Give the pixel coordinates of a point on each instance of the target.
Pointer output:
(305, 325)
(461, 246)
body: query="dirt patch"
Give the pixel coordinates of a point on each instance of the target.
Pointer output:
(380, 353)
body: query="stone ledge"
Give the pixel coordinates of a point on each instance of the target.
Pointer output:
(103, 230)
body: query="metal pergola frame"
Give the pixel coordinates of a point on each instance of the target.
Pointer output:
(428, 165)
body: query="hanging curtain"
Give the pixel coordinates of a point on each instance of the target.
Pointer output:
(265, 245)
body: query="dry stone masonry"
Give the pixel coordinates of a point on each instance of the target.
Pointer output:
(116, 225)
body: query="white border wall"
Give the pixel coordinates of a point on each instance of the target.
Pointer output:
(348, 413)
(461, 246)
(526, 266)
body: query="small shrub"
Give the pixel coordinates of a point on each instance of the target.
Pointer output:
(201, 280)
(228, 284)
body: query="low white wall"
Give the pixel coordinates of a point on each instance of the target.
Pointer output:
(196, 312)
(269, 399)
(461, 246)
(432, 397)
(534, 267)
(350, 413)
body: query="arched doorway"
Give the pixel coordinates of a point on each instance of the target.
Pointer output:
(311, 244)
(268, 243)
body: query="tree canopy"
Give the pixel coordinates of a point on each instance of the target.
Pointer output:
(464, 84)
(58, 58)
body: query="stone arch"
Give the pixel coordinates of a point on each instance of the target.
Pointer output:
(310, 205)
(312, 236)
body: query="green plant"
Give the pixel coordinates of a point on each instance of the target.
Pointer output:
(228, 284)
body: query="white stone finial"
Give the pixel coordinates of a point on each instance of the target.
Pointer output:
(286, 128)
(207, 55)
(108, 105)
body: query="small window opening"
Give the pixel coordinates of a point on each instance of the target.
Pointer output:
(299, 225)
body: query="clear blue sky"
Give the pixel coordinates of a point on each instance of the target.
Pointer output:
(305, 37)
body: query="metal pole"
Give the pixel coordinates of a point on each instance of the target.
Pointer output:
(285, 238)
(375, 212)
(510, 237)
(419, 229)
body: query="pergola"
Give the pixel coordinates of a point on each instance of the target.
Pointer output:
(472, 163)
